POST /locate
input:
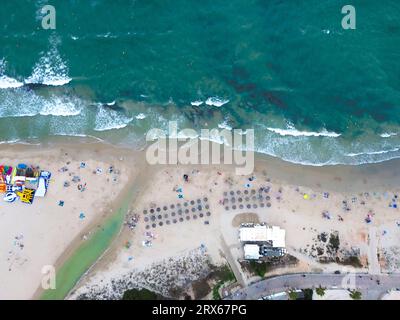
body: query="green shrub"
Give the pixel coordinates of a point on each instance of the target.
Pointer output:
(215, 291)
(142, 294)
(352, 261)
(334, 242)
(356, 295)
(293, 295)
(308, 293)
(320, 291)
(258, 268)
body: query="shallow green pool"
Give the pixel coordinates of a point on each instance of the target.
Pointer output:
(86, 255)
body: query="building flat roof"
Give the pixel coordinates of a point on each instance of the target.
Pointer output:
(277, 236)
(263, 233)
(255, 233)
(251, 251)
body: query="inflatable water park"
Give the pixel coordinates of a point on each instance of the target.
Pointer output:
(23, 183)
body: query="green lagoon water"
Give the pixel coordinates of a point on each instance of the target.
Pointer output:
(86, 255)
(313, 92)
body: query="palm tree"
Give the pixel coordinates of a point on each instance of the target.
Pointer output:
(355, 295)
(293, 295)
(320, 291)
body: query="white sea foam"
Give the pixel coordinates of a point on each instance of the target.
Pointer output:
(196, 103)
(9, 141)
(50, 70)
(370, 153)
(141, 116)
(224, 125)
(388, 135)
(79, 135)
(26, 103)
(216, 101)
(61, 106)
(183, 135)
(108, 119)
(7, 83)
(55, 81)
(296, 133)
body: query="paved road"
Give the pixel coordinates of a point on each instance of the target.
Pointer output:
(366, 283)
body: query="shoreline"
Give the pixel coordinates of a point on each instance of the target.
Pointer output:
(142, 145)
(388, 167)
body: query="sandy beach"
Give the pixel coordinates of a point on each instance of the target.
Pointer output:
(45, 233)
(176, 231)
(310, 203)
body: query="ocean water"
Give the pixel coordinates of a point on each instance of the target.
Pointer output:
(313, 92)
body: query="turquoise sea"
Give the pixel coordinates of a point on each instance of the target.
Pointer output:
(113, 69)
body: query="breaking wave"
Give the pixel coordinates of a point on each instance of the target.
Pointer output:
(196, 103)
(108, 119)
(370, 153)
(51, 69)
(296, 133)
(224, 125)
(140, 116)
(7, 82)
(61, 106)
(26, 103)
(216, 101)
(388, 135)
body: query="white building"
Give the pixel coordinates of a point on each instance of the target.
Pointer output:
(256, 233)
(275, 236)
(251, 251)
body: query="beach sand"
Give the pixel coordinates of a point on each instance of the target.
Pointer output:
(44, 233)
(365, 190)
(180, 252)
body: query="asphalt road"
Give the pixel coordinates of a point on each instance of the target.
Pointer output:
(371, 286)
